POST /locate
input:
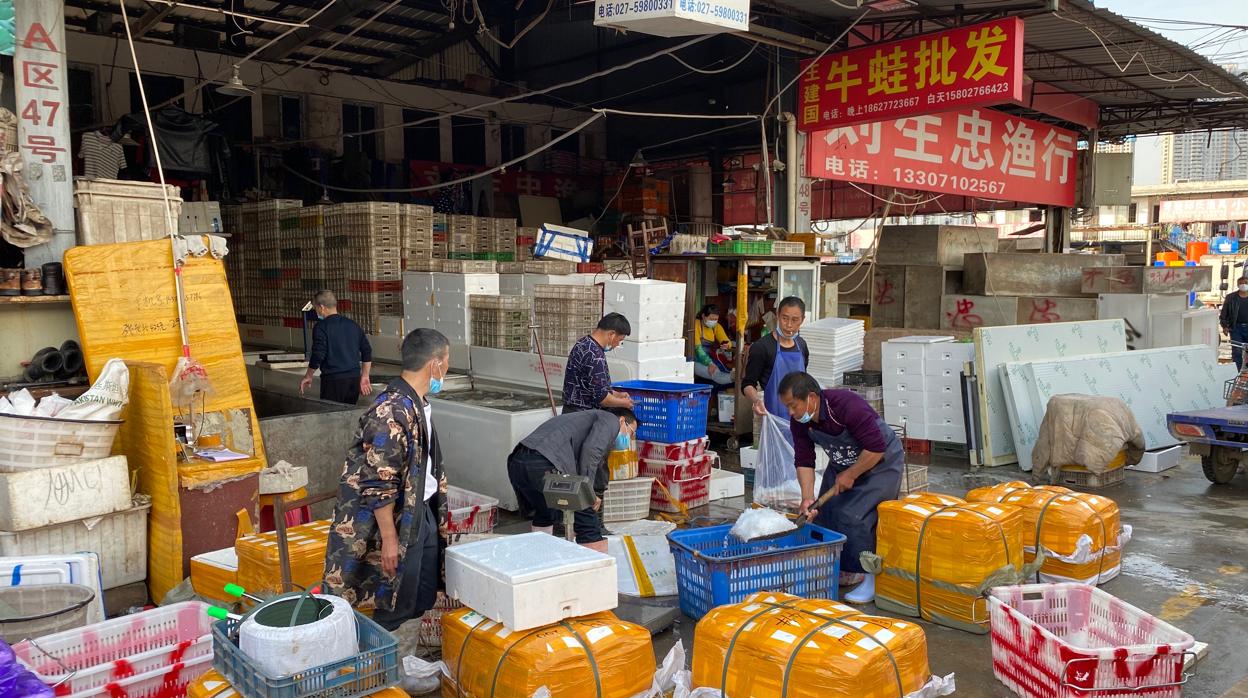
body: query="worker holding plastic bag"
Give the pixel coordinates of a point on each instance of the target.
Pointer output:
(865, 465)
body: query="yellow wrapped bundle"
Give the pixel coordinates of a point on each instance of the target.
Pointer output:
(775, 645)
(956, 550)
(1082, 534)
(259, 568)
(485, 660)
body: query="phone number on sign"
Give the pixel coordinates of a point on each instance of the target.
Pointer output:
(623, 9)
(938, 179)
(969, 93)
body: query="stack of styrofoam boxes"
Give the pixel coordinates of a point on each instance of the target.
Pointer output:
(923, 386)
(312, 255)
(441, 235)
(374, 262)
(656, 312)
(452, 314)
(683, 469)
(290, 251)
(416, 230)
(68, 508)
(461, 236)
(418, 301)
(235, 261)
(564, 313)
(501, 322)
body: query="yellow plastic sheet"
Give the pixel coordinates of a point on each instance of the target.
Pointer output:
(936, 555)
(259, 565)
(1082, 534)
(485, 660)
(780, 646)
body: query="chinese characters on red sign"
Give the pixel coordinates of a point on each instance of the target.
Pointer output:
(975, 152)
(976, 65)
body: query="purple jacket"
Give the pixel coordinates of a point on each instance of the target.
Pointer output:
(842, 409)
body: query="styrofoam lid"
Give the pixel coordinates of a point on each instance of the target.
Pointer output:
(921, 339)
(527, 557)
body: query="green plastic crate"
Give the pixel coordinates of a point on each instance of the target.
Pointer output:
(759, 247)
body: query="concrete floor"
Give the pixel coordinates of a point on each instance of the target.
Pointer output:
(1185, 564)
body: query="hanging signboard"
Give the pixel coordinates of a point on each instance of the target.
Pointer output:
(674, 17)
(975, 152)
(1187, 210)
(975, 65)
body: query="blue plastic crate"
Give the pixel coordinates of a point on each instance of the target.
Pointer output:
(714, 569)
(669, 412)
(376, 667)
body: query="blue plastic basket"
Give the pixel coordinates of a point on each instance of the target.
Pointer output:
(669, 412)
(376, 667)
(713, 568)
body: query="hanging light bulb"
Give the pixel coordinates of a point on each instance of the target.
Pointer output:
(235, 87)
(639, 161)
(325, 197)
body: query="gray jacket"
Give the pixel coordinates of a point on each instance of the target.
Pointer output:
(577, 443)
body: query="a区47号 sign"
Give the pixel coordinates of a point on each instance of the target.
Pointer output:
(974, 152)
(976, 65)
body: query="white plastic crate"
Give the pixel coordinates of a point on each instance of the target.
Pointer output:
(28, 443)
(469, 512)
(1075, 640)
(120, 540)
(168, 680)
(530, 580)
(627, 500)
(48, 496)
(149, 641)
(111, 211)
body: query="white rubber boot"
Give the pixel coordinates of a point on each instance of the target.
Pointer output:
(864, 593)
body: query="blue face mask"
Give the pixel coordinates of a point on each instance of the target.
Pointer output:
(435, 384)
(622, 442)
(805, 419)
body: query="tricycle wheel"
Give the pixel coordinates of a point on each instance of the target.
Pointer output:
(1221, 464)
(734, 444)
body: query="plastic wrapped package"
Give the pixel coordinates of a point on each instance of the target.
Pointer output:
(591, 655)
(782, 646)
(258, 561)
(775, 478)
(936, 555)
(278, 648)
(1081, 534)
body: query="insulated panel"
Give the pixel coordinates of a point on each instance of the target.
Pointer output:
(998, 345)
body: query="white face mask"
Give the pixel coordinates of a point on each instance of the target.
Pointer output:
(1243, 287)
(710, 324)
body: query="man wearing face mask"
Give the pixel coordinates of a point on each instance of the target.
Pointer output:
(865, 465)
(340, 350)
(586, 380)
(1234, 319)
(572, 444)
(772, 358)
(382, 551)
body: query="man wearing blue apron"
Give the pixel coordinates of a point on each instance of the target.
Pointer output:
(772, 358)
(865, 465)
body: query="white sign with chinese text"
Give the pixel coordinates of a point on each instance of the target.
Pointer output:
(674, 17)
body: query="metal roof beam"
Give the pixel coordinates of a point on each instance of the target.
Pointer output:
(495, 69)
(150, 19)
(327, 21)
(406, 59)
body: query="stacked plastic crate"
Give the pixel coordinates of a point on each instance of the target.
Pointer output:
(656, 312)
(268, 302)
(235, 261)
(564, 314)
(503, 246)
(672, 441)
(290, 252)
(335, 255)
(482, 238)
(312, 253)
(374, 262)
(525, 239)
(441, 237)
(501, 322)
(416, 230)
(461, 237)
(870, 387)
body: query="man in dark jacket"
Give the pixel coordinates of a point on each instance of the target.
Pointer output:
(1234, 319)
(341, 351)
(572, 444)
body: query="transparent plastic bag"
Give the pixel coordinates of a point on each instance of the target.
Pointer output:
(775, 478)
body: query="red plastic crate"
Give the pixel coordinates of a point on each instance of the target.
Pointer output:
(660, 451)
(693, 492)
(590, 267)
(916, 445)
(676, 470)
(375, 286)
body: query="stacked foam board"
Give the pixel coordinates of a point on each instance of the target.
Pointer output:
(835, 347)
(452, 313)
(923, 386)
(656, 312)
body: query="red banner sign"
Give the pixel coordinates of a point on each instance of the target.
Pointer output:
(975, 152)
(976, 65)
(1186, 210)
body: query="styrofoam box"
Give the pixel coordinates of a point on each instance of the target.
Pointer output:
(946, 387)
(726, 485)
(390, 325)
(530, 580)
(533, 280)
(913, 387)
(899, 414)
(1160, 459)
(640, 293)
(645, 351)
(939, 408)
(511, 284)
(656, 369)
(119, 538)
(947, 359)
(482, 284)
(949, 435)
(46, 496)
(749, 457)
(652, 322)
(902, 369)
(76, 568)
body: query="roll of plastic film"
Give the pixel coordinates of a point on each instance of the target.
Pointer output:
(323, 632)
